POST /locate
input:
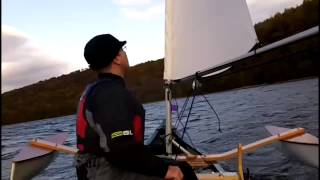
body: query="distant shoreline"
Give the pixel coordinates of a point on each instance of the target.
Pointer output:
(266, 84)
(240, 88)
(251, 86)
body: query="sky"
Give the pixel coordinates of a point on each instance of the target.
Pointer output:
(44, 39)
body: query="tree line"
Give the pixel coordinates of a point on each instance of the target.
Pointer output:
(59, 96)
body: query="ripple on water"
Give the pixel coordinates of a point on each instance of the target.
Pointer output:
(258, 106)
(300, 116)
(8, 154)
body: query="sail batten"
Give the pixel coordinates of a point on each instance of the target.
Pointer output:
(205, 33)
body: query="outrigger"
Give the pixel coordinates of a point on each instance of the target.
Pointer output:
(38, 155)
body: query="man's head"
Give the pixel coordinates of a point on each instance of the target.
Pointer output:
(105, 51)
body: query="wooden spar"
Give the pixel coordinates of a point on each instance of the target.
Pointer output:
(218, 176)
(53, 146)
(247, 148)
(304, 139)
(180, 147)
(73, 151)
(195, 161)
(240, 164)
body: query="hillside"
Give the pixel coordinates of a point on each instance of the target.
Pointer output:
(58, 96)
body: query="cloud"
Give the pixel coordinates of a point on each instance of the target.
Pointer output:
(141, 9)
(23, 62)
(262, 10)
(147, 9)
(151, 12)
(131, 2)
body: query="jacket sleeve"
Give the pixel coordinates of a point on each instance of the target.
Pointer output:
(114, 113)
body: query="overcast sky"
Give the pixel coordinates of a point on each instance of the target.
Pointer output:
(44, 39)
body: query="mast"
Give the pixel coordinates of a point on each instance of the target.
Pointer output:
(168, 136)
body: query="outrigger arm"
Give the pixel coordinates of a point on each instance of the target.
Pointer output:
(205, 160)
(197, 161)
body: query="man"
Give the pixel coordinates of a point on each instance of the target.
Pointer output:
(110, 122)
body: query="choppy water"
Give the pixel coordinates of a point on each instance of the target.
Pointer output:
(243, 114)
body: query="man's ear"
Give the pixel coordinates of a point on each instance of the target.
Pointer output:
(117, 59)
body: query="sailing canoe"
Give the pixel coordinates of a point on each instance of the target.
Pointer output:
(32, 160)
(305, 147)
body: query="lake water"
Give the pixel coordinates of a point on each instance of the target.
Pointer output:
(243, 114)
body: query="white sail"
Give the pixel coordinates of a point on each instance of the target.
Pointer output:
(205, 33)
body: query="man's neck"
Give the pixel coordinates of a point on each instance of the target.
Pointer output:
(113, 71)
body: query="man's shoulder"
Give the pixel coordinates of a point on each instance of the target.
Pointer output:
(106, 85)
(110, 88)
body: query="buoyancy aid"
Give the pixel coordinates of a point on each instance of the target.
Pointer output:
(110, 123)
(87, 137)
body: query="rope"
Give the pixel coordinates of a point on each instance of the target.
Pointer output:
(182, 110)
(213, 111)
(185, 126)
(188, 136)
(180, 115)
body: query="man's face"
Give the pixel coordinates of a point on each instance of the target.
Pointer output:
(124, 60)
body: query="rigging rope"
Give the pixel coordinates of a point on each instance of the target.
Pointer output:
(185, 126)
(180, 115)
(213, 111)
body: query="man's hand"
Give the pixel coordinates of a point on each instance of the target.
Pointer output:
(174, 173)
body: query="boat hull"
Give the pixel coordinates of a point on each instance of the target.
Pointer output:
(304, 148)
(29, 168)
(307, 153)
(31, 160)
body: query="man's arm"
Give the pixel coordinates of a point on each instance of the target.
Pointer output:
(142, 161)
(137, 158)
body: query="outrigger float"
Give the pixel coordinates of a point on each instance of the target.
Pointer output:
(304, 148)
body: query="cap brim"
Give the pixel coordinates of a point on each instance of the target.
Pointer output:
(122, 43)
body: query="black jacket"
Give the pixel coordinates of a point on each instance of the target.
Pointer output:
(113, 126)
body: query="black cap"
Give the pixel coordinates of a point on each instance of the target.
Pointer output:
(100, 51)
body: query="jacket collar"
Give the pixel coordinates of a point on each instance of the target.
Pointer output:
(111, 76)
